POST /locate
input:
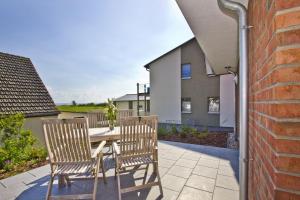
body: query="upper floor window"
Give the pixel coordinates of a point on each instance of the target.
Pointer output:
(214, 105)
(186, 71)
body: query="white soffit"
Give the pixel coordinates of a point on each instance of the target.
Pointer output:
(215, 31)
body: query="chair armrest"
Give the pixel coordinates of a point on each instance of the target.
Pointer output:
(99, 149)
(116, 148)
(155, 153)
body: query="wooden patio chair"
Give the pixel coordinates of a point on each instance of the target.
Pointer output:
(69, 150)
(138, 146)
(97, 119)
(123, 114)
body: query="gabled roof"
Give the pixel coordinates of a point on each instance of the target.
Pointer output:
(147, 66)
(21, 88)
(216, 30)
(131, 97)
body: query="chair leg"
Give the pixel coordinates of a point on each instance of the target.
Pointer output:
(61, 181)
(112, 151)
(95, 186)
(49, 187)
(145, 175)
(158, 177)
(103, 170)
(119, 185)
(68, 180)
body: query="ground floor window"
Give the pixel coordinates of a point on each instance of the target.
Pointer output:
(130, 105)
(214, 105)
(186, 105)
(141, 108)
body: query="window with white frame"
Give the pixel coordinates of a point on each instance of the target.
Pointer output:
(214, 105)
(186, 105)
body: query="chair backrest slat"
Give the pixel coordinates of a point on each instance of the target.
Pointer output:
(97, 119)
(67, 140)
(121, 114)
(138, 135)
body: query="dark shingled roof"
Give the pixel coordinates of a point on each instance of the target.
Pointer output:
(21, 88)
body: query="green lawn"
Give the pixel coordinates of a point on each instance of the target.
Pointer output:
(79, 108)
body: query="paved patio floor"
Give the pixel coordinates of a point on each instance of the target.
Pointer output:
(188, 172)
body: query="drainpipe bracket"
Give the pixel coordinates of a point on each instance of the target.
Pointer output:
(247, 27)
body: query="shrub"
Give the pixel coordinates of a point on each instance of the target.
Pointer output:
(188, 130)
(201, 135)
(17, 146)
(162, 132)
(183, 135)
(174, 129)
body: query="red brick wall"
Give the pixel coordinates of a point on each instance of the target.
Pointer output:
(274, 99)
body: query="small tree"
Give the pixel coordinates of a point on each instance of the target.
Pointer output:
(111, 113)
(74, 103)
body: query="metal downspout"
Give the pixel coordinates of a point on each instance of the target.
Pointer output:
(243, 83)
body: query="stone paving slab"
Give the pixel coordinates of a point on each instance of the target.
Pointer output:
(173, 182)
(225, 194)
(208, 163)
(183, 172)
(187, 171)
(227, 182)
(205, 171)
(201, 182)
(194, 194)
(186, 163)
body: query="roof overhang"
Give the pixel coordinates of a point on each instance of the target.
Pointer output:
(216, 31)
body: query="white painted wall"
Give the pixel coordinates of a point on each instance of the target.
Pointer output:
(35, 125)
(124, 105)
(165, 83)
(227, 100)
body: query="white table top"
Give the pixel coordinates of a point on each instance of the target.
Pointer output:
(104, 133)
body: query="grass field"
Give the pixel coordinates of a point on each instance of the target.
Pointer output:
(80, 108)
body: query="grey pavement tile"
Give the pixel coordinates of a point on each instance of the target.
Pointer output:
(225, 194)
(19, 178)
(13, 190)
(226, 170)
(41, 171)
(225, 162)
(165, 163)
(201, 182)
(169, 156)
(183, 172)
(173, 182)
(205, 171)
(208, 163)
(227, 182)
(191, 155)
(162, 171)
(154, 193)
(186, 163)
(210, 157)
(194, 194)
(1, 185)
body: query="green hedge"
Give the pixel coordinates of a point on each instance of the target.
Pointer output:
(18, 146)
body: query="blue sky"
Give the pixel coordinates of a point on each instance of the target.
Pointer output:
(91, 50)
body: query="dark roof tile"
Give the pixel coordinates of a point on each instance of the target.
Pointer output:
(21, 88)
